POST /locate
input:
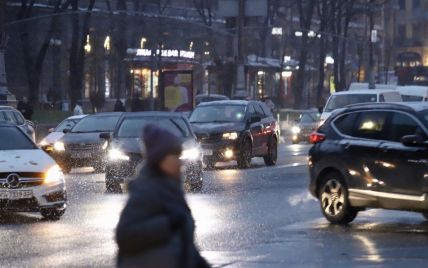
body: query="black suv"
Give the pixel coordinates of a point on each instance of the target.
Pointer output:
(371, 156)
(235, 130)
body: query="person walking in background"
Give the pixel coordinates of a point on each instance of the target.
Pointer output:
(136, 104)
(25, 108)
(118, 106)
(156, 227)
(78, 110)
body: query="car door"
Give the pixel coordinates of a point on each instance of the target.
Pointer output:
(256, 129)
(402, 169)
(268, 124)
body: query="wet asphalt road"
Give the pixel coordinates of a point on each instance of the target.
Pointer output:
(261, 217)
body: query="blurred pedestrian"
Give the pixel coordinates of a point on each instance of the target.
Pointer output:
(25, 108)
(156, 227)
(119, 107)
(78, 110)
(136, 104)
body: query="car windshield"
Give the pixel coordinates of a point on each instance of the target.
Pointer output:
(410, 98)
(340, 101)
(309, 118)
(96, 124)
(218, 113)
(66, 124)
(133, 127)
(14, 139)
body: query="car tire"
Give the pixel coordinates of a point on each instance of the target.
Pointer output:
(272, 156)
(113, 186)
(52, 214)
(244, 158)
(334, 202)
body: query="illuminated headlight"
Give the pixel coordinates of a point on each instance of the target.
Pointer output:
(59, 146)
(54, 174)
(295, 130)
(43, 143)
(230, 136)
(105, 145)
(117, 155)
(190, 154)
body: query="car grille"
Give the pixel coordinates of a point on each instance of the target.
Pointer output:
(38, 175)
(83, 147)
(209, 138)
(26, 180)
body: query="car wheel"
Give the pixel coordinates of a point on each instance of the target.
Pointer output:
(113, 186)
(244, 158)
(52, 214)
(333, 196)
(272, 156)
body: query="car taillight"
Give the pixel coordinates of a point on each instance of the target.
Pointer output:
(316, 137)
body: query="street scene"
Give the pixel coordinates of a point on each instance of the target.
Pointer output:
(213, 133)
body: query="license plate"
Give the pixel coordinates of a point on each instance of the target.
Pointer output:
(81, 155)
(15, 194)
(207, 152)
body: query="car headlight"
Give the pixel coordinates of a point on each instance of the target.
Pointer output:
(43, 143)
(54, 174)
(295, 130)
(105, 145)
(230, 135)
(117, 155)
(59, 146)
(190, 154)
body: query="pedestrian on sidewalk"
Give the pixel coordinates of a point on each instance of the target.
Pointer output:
(118, 106)
(78, 110)
(156, 227)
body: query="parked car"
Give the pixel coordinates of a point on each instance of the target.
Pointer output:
(81, 146)
(342, 99)
(209, 97)
(55, 134)
(236, 130)
(304, 126)
(124, 150)
(30, 180)
(371, 156)
(11, 115)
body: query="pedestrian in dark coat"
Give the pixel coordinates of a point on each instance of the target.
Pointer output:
(156, 227)
(25, 108)
(118, 106)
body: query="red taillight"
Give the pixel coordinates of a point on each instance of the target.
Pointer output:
(316, 137)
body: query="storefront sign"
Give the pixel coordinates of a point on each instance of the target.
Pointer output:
(167, 53)
(176, 91)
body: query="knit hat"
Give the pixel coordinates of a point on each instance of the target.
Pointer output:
(159, 143)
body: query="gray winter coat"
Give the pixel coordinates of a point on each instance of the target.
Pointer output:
(144, 233)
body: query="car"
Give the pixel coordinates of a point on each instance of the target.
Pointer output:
(55, 134)
(371, 156)
(30, 180)
(344, 98)
(124, 150)
(236, 130)
(82, 146)
(12, 115)
(208, 98)
(413, 93)
(304, 126)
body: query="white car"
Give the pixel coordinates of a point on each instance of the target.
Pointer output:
(55, 134)
(30, 180)
(413, 93)
(344, 98)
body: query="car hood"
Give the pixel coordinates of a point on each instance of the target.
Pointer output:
(136, 146)
(208, 128)
(25, 161)
(82, 138)
(53, 137)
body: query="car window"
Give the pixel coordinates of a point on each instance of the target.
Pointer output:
(345, 123)
(402, 125)
(8, 116)
(309, 118)
(381, 98)
(19, 118)
(259, 110)
(251, 110)
(66, 124)
(132, 127)
(96, 124)
(218, 113)
(2, 118)
(267, 111)
(371, 125)
(409, 98)
(14, 139)
(341, 101)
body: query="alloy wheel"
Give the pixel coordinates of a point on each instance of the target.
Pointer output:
(333, 197)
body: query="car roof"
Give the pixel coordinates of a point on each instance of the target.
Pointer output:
(152, 114)
(225, 102)
(406, 106)
(76, 117)
(7, 108)
(365, 91)
(105, 114)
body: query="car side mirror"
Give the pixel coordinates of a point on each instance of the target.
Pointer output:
(254, 119)
(105, 136)
(66, 130)
(51, 130)
(413, 140)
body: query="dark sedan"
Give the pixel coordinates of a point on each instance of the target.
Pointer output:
(125, 148)
(371, 156)
(81, 146)
(236, 130)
